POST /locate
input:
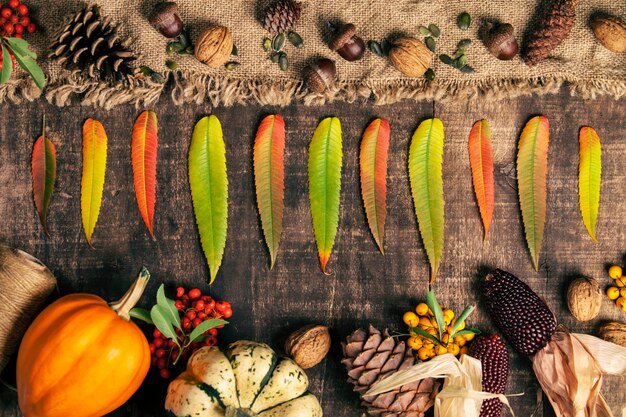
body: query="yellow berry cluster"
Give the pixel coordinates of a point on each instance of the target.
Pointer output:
(426, 348)
(617, 292)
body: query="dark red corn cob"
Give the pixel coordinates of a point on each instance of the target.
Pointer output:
(494, 358)
(520, 315)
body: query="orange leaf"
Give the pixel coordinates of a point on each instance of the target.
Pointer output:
(481, 161)
(44, 171)
(144, 158)
(373, 161)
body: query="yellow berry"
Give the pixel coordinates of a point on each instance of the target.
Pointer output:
(410, 319)
(612, 293)
(448, 313)
(421, 309)
(425, 321)
(463, 350)
(433, 322)
(460, 340)
(621, 282)
(432, 331)
(423, 353)
(461, 326)
(414, 343)
(622, 292)
(454, 349)
(445, 338)
(615, 271)
(621, 302)
(441, 350)
(468, 337)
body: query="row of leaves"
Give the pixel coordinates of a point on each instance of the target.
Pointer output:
(209, 180)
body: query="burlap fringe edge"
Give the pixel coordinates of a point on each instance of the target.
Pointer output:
(218, 91)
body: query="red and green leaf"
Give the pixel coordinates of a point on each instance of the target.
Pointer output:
(144, 145)
(589, 178)
(269, 178)
(44, 171)
(481, 162)
(373, 162)
(94, 167)
(532, 170)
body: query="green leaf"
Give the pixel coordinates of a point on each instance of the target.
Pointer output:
(203, 327)
(471, 330)
(141, 314)
(7, 66)
(325, 161)
(30, 66)
(433, 304)
(168, 306)
(425, 160)
(425, 334)
(20, 46)
(160, 320)
(468, 310)
(209, 189)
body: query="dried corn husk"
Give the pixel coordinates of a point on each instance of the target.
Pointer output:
(25, 283)
(462, 390)
(570, 370)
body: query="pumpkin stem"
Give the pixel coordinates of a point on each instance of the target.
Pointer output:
(123, 306)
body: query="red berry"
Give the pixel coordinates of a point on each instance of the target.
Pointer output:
(14, 19)
(22, 9)
(185, 299)
(197, 322)
(6, 13)
(180, 291)
(228, 313)
(160, 353)
(152, 347)
(210, 341)
(14, 3)
(179, 305)
(8, 28)
(161, 363)
(220, 307)
(201, 315)
(206, 298)
(31, 28)
(194, 293)
(187, 325)
(153, 361)
(157, 333)
(3, 20)
(199, 305)
(25, 21)
(158, 342)
(190, 315)
(174, 355)
(18, 35)
(213, 332)
(165, 373)
(170, 343)
(19, 29)
(209, 306)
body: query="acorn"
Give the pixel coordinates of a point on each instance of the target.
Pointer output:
(499, 40)
(320, 75)
(166, 20)
(346, 42)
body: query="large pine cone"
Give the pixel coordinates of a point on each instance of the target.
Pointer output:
(372, 356)
(553, 26)
(281, 16)
(89, 43)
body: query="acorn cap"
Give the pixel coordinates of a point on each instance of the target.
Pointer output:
(162, 11)
(319, 75)
(342, 36)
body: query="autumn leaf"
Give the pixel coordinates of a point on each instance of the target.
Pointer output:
(144, 159)
(325, 160)
(589, 178)
(425, 165)
(532, 169)
(373, 162)
(94, 167)
(44, 171)
(209, 189)
(269, 179)
(481, 162)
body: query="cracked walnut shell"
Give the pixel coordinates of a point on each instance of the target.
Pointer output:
(309, 345)
(410, 56)
(214, 46)
(584, 298)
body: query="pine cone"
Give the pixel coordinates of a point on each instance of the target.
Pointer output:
(552, 28)
(372, 356)
(281, 16)
(90, 43)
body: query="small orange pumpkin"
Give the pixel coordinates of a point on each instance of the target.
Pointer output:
(82, 357)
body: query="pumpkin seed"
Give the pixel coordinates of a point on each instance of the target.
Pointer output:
(464, 20)
(235, 51)
(183, 38)
(145, 70)
(157, 78)
(189, 50)
(434, 29)
(232, 65)
(295, 39)
(275, 56)
(430, 43)
(461, 61)
(430, 74)
(446, 59)
(385, 46)
(283, 62)
(267, 44)
(464, 43)
(279, 42)
(424, 31)
(172, 65)
(458, 53)
(375, 48)
(467, 69)
(174, 47)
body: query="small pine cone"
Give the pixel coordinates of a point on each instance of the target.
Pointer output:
(281, 16)
(371, 356)
(520, 315)
(553, 26)
(494, 358)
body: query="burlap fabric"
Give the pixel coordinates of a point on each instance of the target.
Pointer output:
(580, 61)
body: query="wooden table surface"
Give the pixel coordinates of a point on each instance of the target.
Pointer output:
(363, 286)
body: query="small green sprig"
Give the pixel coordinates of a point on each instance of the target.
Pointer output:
(25, 58)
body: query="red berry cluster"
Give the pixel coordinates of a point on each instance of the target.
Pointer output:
(14, 20)
(194, 308)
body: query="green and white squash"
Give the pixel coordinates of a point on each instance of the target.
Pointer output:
(247, 380)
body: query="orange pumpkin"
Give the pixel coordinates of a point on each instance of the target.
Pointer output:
(82, 357)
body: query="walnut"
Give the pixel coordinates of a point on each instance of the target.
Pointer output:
(214, 46)
(410, 56)
(584, 298)
(610, 32)
(613, 332)
(309, 345)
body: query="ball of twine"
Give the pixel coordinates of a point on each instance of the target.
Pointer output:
(25, 284)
